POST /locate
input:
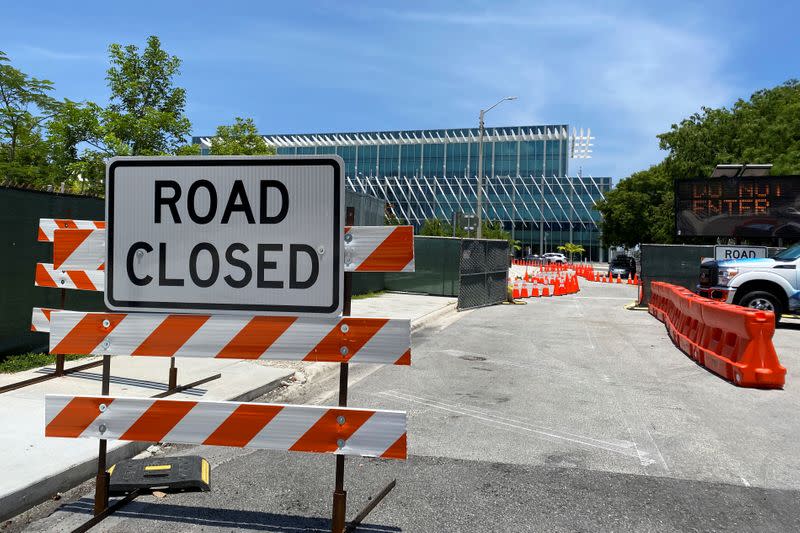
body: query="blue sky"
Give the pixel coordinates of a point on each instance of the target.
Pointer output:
(625, 70)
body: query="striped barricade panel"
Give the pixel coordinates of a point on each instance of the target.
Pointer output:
(79, 249)
(366, 249)
(299, 428)
(87, 280)
(40, 320)
(341, 340)
(48, 225)
(379, 249)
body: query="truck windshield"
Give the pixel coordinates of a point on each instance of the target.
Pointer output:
(789, 254)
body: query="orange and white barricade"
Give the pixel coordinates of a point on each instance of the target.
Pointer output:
(296, 428)
(345, 339)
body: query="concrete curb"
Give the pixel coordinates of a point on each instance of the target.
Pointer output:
(43, 489)
(425, 321)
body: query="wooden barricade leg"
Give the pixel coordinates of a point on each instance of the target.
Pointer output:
(339, 494)
(60, 357)
(101, 486)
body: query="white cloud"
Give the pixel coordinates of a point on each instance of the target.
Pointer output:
(61, 55)
(625, 74)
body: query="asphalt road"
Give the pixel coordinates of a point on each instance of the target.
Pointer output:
(566, 414)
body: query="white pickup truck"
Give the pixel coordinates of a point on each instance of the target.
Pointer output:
(772, 284)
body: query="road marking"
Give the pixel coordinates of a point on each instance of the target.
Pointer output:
(646, 448)
(623, 447)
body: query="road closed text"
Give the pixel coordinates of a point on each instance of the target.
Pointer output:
(193, 234)
(259, 262)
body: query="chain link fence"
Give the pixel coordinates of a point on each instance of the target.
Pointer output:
(483, 271)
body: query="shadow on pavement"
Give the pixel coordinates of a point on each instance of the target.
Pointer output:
(119, 380)
(222, 518)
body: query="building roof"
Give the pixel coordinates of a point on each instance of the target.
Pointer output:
(579, 143)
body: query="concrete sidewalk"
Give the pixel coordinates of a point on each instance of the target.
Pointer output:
(35, 468)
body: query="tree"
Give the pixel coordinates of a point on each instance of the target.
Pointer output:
(436, 227)
(146, 113)
(240, 138)
(25, 107)
(571, 249)
(763, 129)
(639, 209)
(145, 116)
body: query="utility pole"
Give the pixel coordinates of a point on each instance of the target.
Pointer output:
(541, 193)
(479, 206)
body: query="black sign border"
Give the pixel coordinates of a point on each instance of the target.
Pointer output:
(239, 161)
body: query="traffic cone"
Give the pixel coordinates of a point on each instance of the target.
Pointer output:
(515, 293)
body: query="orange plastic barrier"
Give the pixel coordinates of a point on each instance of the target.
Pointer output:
(732, 341)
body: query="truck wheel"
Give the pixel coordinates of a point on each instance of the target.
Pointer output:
(765, 301)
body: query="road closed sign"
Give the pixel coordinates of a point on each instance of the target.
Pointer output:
(257, 235)
(739, 252)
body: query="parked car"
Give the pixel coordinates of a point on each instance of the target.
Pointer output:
(532, 257)
(622, 266)
(552, 257)
(770, 284)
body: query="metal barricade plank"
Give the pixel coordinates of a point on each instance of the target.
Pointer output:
(346, 339)
(299, 428)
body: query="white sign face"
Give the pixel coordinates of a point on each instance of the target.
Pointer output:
(722, 253)
(256, 235)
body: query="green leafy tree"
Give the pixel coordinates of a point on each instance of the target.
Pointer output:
(494, 230)
(145, 116)
(436, 227)
(639, 209)
(763, 129)
(240, 138)
(146, 113)
(571, 249)
(25, 107)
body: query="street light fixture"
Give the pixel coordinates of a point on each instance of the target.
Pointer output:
(480, 165)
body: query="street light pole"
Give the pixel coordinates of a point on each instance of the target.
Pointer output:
(479, 206)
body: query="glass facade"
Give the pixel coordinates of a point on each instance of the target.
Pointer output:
(425, 174)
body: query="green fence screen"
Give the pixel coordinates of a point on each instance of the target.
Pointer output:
(20, 211)
(437, 262)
